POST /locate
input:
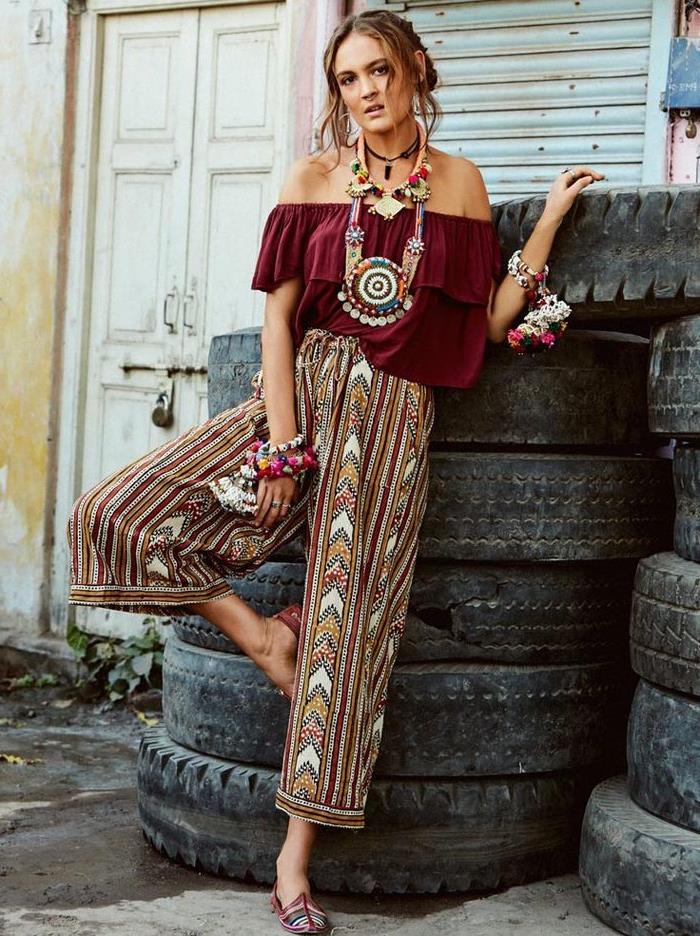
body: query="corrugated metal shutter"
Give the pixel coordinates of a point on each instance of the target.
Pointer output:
(531, 86)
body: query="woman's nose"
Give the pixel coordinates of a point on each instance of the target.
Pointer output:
(367, 90)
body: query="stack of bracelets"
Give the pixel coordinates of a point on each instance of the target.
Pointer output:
(237, 492)
(545, 321)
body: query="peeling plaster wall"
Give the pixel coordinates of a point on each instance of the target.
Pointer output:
(31, 121)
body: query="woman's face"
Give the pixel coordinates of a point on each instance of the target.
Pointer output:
(362, 72)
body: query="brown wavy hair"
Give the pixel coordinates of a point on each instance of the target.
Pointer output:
(399, 42)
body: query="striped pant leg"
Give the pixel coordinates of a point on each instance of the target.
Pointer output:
(152, 537)
(365, 514)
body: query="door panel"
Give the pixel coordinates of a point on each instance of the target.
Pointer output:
(134, 289)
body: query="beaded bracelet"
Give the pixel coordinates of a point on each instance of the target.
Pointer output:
(283, 447)
(545, 321)
(518, 268)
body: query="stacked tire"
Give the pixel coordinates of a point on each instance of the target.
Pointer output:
(640, 853)
(512, 688)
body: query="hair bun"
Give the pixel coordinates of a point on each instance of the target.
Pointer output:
(431, 75)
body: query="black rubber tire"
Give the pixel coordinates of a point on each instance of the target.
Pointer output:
(639, 874)
(645, 241)
(546, 612)
(537, 401)
(527, 613)
(663, 754)
(234, 359)
(517, 401)
(500, 506)
(686, 483)
(421, 836)
(516, 506)
(674, 378)
(442, 719)
(665, 622)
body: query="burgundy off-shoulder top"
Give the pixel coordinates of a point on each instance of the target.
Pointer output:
(441, 339)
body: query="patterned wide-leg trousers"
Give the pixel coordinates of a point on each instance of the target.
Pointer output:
(152, 537)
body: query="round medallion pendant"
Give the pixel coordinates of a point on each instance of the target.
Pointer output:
(376, 291)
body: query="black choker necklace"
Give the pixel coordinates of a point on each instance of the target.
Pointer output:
(389, 160)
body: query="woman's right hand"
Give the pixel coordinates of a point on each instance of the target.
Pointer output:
(284, 489)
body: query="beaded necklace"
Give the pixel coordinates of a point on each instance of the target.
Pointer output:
(375, 290)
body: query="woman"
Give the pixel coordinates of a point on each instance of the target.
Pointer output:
(349, 362)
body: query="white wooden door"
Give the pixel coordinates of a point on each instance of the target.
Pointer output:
(187, 145)
(237, 155)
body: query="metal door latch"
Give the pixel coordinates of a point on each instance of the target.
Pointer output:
(168, 369)
(162, 414)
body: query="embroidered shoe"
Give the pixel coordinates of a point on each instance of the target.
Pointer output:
(291, 616)
(301, 915)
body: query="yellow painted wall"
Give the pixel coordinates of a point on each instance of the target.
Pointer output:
(31, 120)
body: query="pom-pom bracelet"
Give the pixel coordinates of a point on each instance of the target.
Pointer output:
(545, 322)
(263, 465)
(237, 492)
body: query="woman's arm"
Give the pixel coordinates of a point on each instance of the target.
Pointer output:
(507, 300)
(277, 336)
(278, 360)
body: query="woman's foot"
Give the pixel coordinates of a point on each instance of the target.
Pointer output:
(277, 653)
(291, 882)
(291, 898)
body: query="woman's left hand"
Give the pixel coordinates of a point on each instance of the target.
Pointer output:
(565, 188)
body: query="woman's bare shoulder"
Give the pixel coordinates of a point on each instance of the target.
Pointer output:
(311, 178)
(463, 178)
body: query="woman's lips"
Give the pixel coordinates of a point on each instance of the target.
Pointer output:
(372, 113)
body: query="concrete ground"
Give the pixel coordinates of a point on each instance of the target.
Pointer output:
(73, 861)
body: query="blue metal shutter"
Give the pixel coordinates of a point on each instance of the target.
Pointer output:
(531, 86)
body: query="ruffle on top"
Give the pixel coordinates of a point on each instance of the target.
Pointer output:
(441, 339)
(461, 256)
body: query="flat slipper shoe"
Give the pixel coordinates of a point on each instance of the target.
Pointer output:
(301, 915)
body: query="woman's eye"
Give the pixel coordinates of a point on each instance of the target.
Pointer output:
(382, 69)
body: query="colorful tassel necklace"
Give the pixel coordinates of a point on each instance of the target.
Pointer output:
(375, 290)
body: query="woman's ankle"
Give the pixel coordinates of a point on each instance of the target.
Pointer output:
(288, 862)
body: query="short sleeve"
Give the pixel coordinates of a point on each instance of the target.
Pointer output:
(283, 246)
